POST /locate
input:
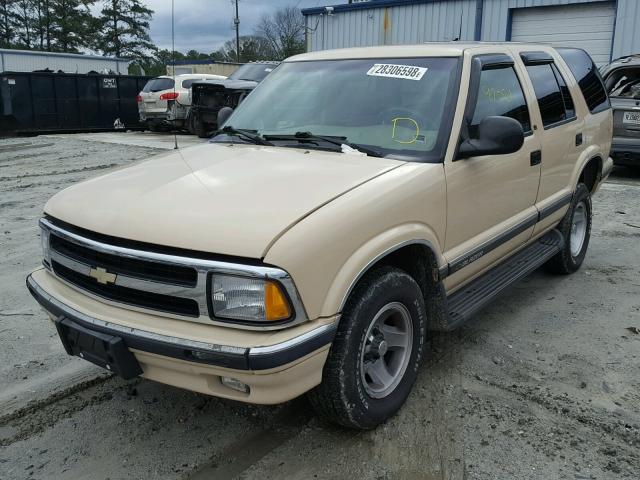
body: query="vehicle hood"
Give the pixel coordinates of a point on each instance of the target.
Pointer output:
(219, 198)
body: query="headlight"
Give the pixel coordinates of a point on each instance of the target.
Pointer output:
(248, 299)
(44, 239)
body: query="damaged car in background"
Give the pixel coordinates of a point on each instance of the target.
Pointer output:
(163, 103)
(208, 97)
(622, 80)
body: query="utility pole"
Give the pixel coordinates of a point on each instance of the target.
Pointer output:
(236, 22)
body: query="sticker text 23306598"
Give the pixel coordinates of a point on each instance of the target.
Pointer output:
(407, 72)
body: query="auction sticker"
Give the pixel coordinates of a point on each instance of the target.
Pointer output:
(407, 72)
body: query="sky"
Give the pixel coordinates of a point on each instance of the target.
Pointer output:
(204, 25)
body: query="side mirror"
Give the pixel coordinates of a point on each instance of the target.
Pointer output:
(223, 115)
(496, 136)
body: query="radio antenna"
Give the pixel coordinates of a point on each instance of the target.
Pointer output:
(173, 60)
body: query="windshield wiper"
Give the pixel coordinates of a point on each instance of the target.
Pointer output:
(250, 135)
(334, 140)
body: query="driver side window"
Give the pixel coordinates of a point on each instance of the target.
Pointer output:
(500, 94)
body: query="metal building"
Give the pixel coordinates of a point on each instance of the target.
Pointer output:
(605, 28)
(32, 60)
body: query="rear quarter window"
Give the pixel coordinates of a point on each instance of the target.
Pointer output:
(588, 78)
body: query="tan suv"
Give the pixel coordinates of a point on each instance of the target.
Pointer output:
(356, 200)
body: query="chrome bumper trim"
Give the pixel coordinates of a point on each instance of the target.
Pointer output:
(227, 356)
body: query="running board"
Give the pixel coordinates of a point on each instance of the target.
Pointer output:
(465, 302)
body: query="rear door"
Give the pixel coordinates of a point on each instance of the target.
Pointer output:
(559, 130)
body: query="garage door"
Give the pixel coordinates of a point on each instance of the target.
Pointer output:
(587, 26)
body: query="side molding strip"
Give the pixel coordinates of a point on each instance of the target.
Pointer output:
(478, 252)
(555, 206)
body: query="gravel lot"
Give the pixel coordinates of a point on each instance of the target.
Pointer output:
(543, 384)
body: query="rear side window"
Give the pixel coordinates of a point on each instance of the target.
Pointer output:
(158, 84)
(500, 95)
(566, 95)
(588, 78)
(548, 92)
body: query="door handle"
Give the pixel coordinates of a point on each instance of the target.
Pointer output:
(536, 158)
(578, 139)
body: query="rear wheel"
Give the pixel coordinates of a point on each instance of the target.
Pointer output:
(374, 359)
(576, 230)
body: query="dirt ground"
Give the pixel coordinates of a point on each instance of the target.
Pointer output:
(544, 384)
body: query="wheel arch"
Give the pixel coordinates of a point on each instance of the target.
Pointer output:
(427, 271)
(589, 169)
(591, 172)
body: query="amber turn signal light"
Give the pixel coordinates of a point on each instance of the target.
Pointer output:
(276, 305)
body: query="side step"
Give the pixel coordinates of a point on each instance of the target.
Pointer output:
(465, 302)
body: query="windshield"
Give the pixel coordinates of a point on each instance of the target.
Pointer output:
(158, 84)
(624, 82)
(254, 72)
(398, 107)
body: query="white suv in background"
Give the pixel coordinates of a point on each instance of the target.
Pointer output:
(164, 104)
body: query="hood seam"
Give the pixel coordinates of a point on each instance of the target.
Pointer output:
(319, 206)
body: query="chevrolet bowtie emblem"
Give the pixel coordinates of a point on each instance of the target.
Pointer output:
(102, 276)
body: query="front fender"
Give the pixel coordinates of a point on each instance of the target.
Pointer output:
(370, 253)
(328, 251)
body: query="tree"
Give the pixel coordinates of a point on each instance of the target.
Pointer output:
(7, 23)
(70, 26)
(125, 30)
(284, 30)
(252, 48)
(42, 23)
(23, 22)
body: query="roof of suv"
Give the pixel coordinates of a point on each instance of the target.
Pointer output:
(433, 49)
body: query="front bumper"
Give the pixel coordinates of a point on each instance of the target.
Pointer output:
(275, 372)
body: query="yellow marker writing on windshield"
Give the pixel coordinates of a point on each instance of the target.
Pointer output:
(406, 119)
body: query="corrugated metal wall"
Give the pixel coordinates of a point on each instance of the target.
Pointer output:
(495, 17)
(627, 36)
(404, 24)
(441, 21)
(21, 61)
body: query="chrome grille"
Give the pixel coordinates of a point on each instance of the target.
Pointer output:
(145, 280)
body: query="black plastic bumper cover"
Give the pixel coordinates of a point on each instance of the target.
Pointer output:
(237, 358)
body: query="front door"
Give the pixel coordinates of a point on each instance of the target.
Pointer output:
(491, 199)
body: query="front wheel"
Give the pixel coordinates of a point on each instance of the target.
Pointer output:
(576, 230)
(374, 359)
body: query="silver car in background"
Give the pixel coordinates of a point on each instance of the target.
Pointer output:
(163, 104)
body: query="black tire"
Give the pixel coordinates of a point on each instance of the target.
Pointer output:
(200, 127)
(342, 397)
(566, 261)
(191, 124)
